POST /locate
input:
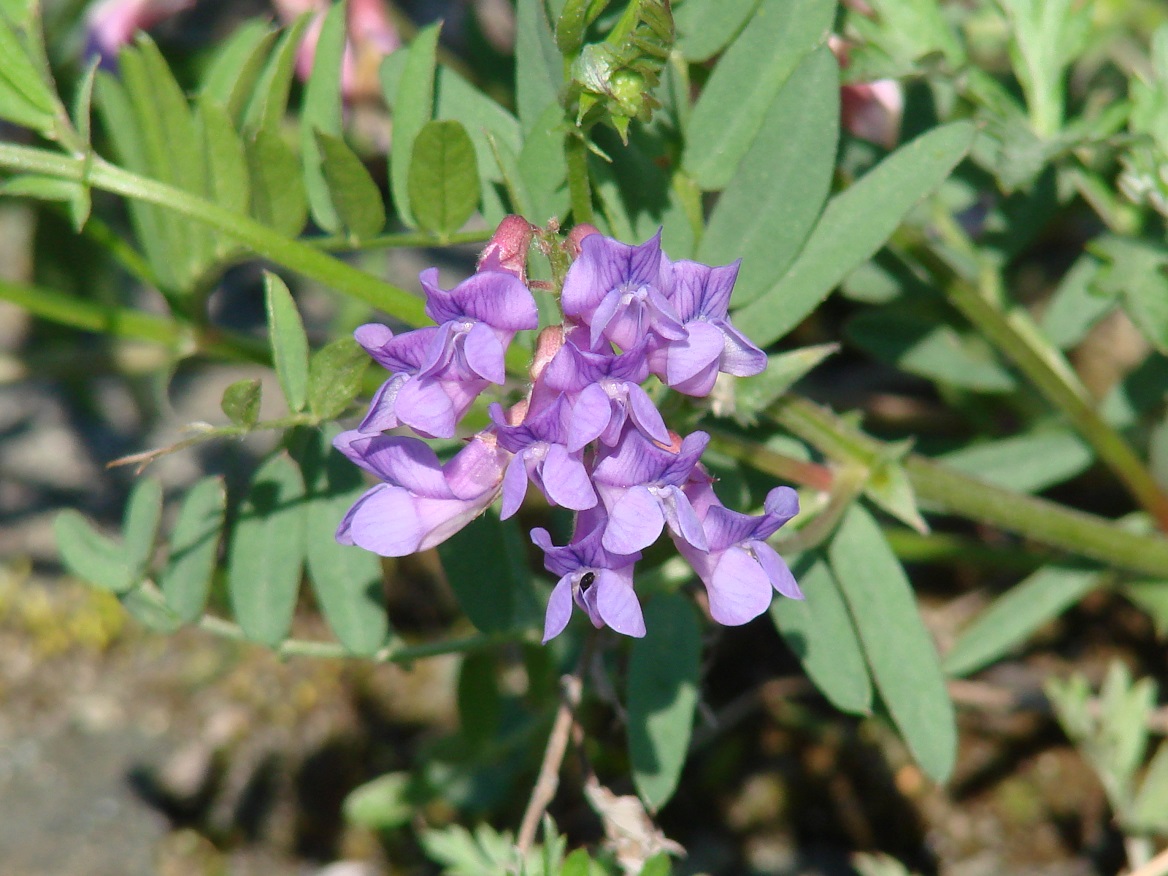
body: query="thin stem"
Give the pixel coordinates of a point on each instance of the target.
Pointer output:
(579, 187)
(124, 322)
(342, 243)
(945, 491)
(296, 255)
(1019, 340)
(395, 652)
(548, 780)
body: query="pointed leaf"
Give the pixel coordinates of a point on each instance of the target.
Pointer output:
(321, 112)
(664, 675)
(236, 67)
(1013, 618)
(267, 552)
(413, 106)
(228, 184)
(899, 650)
(821, 634)
(539, 67)
(733, 104)
(444, 179)
(194, 549)
(542, 167)
(269, 99)
(289, 343)
(771, 204)
(1149, 811)
(348, 581)
(89, 555)
(855, 224)
(354, 195)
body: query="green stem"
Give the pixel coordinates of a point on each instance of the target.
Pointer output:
(341, 243)
(579, 187)
(296, 255)
(123, 322)
(945, 491)
(293, 254)
(1046, 368)
(395, 652)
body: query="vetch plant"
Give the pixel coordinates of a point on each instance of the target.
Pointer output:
(587, 434)
(884, 283)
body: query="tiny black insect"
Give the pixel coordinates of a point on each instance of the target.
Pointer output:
(586, 581)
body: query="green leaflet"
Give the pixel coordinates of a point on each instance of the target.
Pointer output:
(347, 580)
(289, 344)
(321, 114)
(355, 197)
(267, 552)
(1015, 616)
(855, 224)
(773, 200)
(897, 646)
(194, 549)
(413, 106)
(733, 104)
(821, 634)
(664, 675)
(443, 179)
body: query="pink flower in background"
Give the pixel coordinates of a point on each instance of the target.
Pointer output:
(110, 24)
(372, 35)
(869, 110)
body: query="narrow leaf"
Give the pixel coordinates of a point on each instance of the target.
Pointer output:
(354, 195)
(899, 650)
(413, 106)
(347, 581)
(278, 198)
(855, 224)
(267, 552)
(444, 179)
(1149, 811)
(772, 202)
(140, 526)
(539, 67)
(228, 184)
(89, 555)
(821, 634)
(705, 27)
(233, 72)
(335, 373)
(321, 113)
(734, 102)
(1028, 463)
(289, 343)
(1014, 617)
(269, 99)
(664, 674)
(194, 549)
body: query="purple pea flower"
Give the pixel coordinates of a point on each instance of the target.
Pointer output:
(641, 485)
(538, 443)
(477, 320)
(606, 393)
(429, 401)
(740, 570)
(420, 502)
(701, 295)
(597, 580)
(619, 292)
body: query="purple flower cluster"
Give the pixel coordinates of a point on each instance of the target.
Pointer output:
(588, 435)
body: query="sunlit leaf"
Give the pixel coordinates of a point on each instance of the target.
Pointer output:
(194, 549)
(289, 344)
(413, 106)
(356, 198)
(90, 555)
